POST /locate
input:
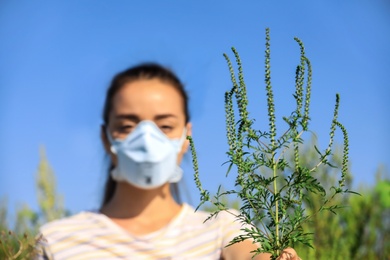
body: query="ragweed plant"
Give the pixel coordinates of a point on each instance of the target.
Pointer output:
(272, 188)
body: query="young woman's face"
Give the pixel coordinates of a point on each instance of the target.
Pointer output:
(148, 99)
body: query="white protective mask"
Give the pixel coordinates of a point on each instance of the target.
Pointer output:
(147, 158)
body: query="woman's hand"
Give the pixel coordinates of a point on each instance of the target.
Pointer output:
(241, 251)
(289, 254)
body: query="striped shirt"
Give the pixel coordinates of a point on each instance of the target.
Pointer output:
(91, 235)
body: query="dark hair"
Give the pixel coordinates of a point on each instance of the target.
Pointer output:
(142, 71)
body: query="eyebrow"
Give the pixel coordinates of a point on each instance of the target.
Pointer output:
(164, 116)
(131, 117)
(136, 118)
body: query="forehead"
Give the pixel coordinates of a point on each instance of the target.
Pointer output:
(148, 97)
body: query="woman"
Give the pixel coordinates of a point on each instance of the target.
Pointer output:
(146, 121)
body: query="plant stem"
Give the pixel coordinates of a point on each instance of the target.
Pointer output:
(276, 203)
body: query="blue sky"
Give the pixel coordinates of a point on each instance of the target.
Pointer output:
(57, 58)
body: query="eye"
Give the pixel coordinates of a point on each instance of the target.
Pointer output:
(166, 128)
(125, 129)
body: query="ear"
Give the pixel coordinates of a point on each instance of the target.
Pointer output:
(104, 138)
(186, 143)
(107, 144)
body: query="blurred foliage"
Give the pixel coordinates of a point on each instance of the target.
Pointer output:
(50, 203)
(14, 246)
(19, 243)
(361, 230)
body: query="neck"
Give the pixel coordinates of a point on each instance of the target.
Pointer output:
(131, 202)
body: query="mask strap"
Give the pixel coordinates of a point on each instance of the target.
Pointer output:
(110, 140)
(109, 137)
(183, 137)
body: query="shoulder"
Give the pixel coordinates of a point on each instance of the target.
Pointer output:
(225, 215)
(77, 219)
(74, 224)
(225, 223)
(204, 217)
(232, 225)
(52, 233)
